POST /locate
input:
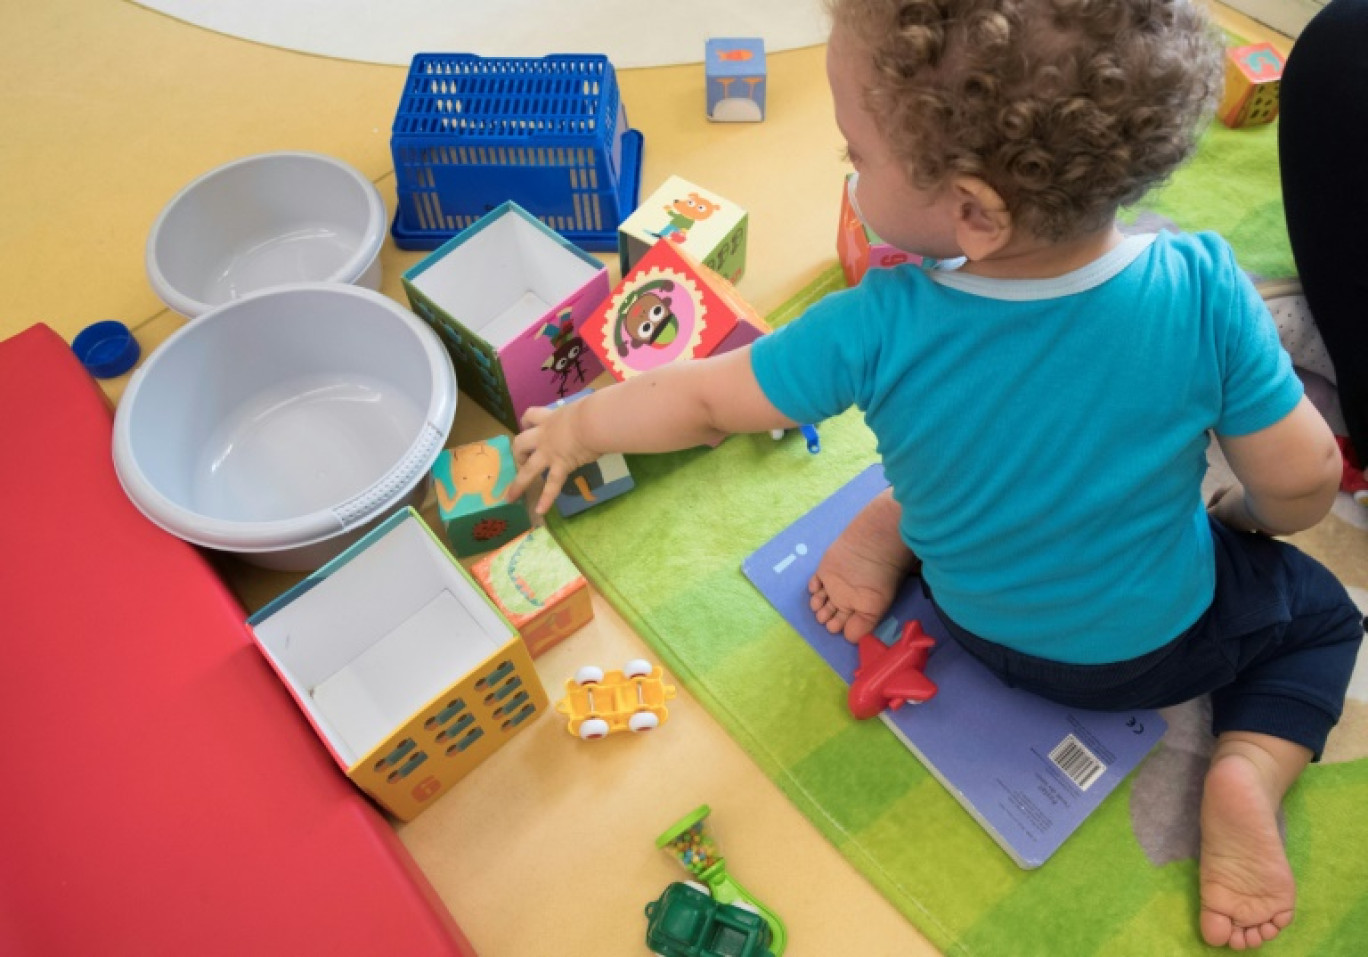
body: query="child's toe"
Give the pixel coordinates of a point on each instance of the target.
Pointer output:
(1217, 930)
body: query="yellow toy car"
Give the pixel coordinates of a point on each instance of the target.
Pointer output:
(632, 699)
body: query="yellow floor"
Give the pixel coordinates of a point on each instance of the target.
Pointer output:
(110, 108)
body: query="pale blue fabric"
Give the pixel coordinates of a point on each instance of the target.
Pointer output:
(1046, 438)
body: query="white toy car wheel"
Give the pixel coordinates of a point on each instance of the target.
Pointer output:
(643, 721)
(588, 675)
(637, 668)
(701, 888)
(593, 728)
(746, 905)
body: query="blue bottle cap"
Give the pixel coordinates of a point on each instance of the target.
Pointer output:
(106, 349)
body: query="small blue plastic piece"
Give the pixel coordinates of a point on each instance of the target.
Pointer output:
(106, 349)
(814, 444)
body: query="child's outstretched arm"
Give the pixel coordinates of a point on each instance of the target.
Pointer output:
(1289, 472)
(674, 407)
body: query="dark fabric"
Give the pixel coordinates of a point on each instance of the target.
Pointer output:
(1322, 143)
(1275, 650)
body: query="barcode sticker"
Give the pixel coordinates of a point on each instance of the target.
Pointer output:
(1080, 764)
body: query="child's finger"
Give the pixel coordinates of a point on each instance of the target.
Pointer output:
(534, 416)
(527, 471)
(555, 480)
(524, 444)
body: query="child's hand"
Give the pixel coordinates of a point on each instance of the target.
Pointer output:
(549, 444)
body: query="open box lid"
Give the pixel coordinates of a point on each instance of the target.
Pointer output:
(505, 271)
(375, 635)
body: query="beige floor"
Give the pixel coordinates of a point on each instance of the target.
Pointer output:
(110, 108)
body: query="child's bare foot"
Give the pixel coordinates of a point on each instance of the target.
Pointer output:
(859, 575)
(1247, 888)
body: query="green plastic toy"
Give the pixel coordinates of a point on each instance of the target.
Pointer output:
(695, 850)
(688, 922)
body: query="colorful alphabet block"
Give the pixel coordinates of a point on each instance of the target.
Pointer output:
(707, 227)
(470, 481)
(595, 483)
(667, 309)
(748, 328)
(508, 297)
(1253, 77)
(535, 584)
(734, 69)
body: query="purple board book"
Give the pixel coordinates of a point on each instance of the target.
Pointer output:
(1028, 770)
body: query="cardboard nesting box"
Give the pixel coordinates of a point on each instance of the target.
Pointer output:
(406, 670)
(470, 482)
(706, 227)
(668, 308)
(1253, 82)
(734, 68)
(535, 584)
(508, 297)
(858, 248)
(605, 478)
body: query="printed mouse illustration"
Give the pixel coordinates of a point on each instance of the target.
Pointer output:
(684, 213)
(645, 318)
(474, 471)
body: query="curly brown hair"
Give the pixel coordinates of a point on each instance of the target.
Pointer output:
(1070, 109)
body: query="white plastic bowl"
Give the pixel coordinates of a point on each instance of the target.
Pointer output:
(263, 221)
(283, 425)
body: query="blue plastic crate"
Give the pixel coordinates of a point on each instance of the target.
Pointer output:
(548, 133)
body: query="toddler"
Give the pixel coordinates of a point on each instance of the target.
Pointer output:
(1043, 412)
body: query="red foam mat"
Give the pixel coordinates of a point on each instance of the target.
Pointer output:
(160, 793)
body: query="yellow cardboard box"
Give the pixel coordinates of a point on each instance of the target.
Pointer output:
(406, 670)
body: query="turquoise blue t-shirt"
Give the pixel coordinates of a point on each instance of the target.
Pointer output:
(1046, 439)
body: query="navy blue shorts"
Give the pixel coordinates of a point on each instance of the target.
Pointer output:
(1275, 650)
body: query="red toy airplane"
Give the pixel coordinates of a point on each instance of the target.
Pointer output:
(890, 675)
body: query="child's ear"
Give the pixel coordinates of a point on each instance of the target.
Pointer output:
(983, 225)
